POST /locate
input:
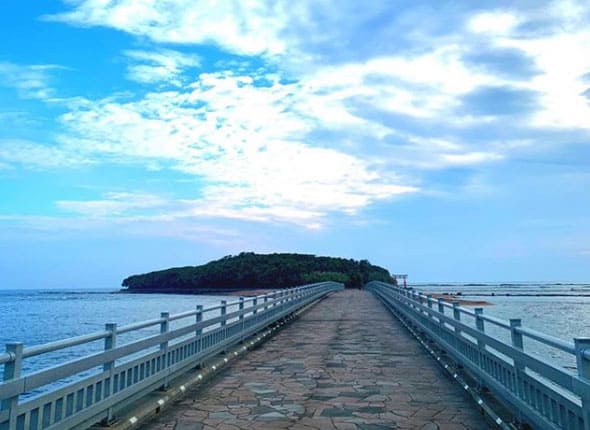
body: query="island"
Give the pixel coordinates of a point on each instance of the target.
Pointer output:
(250, 271)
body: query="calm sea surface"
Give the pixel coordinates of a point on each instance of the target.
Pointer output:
(39, 316)
(36, 316)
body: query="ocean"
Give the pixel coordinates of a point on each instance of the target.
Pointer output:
(35, 317)
(39, 316)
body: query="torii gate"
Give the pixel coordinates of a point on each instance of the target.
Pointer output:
(396, 277)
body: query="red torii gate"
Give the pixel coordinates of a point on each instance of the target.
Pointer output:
(396, 277)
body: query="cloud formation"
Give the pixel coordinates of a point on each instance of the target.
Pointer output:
(345, 106)
(249, 29)
(160, 66)
(247, 142)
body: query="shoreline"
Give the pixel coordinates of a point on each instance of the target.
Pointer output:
(202, 291)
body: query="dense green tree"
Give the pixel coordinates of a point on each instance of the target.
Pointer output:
(250, 270)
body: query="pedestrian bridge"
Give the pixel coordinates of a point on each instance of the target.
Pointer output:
(311, 357)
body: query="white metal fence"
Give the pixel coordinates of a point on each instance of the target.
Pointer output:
(543, 394)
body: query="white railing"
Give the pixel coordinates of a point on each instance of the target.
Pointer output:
(543, 394)
(122, 374)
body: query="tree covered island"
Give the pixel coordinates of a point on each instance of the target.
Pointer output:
(252, 271)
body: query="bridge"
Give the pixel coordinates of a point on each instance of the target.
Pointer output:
(310, 357)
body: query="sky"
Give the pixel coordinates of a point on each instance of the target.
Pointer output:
(448, 140)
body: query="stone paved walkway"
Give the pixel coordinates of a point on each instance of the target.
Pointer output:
(330, 369)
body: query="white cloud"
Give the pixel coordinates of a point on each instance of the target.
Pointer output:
(247, 142)
(496, 23)
(251, 28)
(563, 64)
(559, 55)
(34, 155)
(113, 204)
(31, 81)
(161, 66)
(470, 158)
(425, 85)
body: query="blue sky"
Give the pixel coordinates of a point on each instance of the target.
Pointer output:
(444, 139)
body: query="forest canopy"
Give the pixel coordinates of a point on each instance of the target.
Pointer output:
(249, 271)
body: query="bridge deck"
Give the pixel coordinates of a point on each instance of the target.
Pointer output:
(330, 369)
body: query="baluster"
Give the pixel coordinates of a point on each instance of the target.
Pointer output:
(479, 325)
(241, 318)
(199, 331)
(518, 342)
(109, 343)
(164, 327)
(12, 370)
(457, 316)
(198, 319)
(223, 314)
(429, 304)
(241, 309)
(582, 346)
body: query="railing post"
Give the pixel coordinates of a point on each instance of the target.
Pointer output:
(198, 319)
(441, 322)
(582, 346)
(241, 318)
(199, 331)
(12, 370)
(479, 325)
(457, 316)
(109, 343)
(429, 305)
(223, 313)
(517, 342)
(164, 327)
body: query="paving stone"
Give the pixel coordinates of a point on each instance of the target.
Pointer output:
(345, 364)
(188, 425)
(223, 416)
(337, 412)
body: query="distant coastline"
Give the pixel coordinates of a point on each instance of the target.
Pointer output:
(247, 292)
